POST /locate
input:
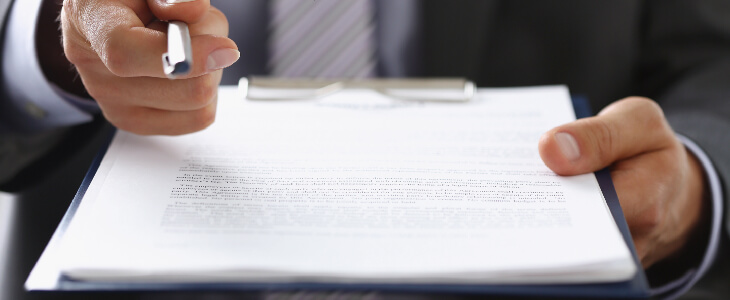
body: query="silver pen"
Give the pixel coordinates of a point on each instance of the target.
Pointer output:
(178, 61)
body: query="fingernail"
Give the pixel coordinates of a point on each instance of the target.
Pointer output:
(568, 145)
(222, 58)
(178, 1)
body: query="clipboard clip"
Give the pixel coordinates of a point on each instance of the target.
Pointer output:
(431, 90)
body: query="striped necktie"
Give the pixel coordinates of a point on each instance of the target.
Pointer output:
(322, 38)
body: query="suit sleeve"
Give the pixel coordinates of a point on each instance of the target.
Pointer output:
(35, 114)
(685, 66)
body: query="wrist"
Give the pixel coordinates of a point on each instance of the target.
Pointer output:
(694, 222)
(698, 210)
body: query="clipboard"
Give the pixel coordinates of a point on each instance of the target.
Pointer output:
(430, 90)
(46, 276)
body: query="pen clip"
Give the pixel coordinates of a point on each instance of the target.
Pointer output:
(178, 60)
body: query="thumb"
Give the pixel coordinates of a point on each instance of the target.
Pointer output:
(624, 129)
(188, 11)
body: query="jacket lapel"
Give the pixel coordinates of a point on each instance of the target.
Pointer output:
(454, 35)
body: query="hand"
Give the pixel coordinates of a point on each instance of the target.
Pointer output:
(117, 47)
(659, 183)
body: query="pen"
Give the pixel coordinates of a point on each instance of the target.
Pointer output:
(178, 60)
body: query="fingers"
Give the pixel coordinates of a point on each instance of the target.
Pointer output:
(136, 51)
(622, 130)
(147, 106)
(117, 47)
(147, 121)
(158, 93)
(659, 193)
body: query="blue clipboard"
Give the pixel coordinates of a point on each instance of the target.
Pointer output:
(637, 287)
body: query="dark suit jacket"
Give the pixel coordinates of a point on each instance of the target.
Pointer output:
(674, 51)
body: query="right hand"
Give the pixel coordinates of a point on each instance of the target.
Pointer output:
(117, 47)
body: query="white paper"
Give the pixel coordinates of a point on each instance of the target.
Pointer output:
(354, 187)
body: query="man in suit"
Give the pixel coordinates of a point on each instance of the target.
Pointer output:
(675, 52)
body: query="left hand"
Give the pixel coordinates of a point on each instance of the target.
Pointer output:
(660, 185)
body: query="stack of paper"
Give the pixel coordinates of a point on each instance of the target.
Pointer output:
(354, 187)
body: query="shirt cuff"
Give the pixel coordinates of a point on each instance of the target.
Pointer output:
(32, 102)
(676, 288)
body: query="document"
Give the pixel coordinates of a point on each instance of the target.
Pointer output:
(354, 187)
